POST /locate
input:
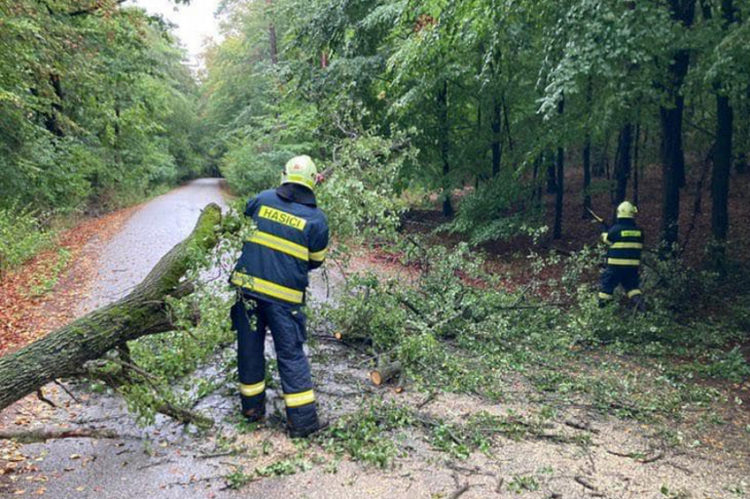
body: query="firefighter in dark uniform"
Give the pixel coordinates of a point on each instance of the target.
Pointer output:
(625, 244)
(290, 239)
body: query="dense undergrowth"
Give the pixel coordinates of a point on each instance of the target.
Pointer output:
(454, 329)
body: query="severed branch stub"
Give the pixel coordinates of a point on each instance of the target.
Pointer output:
(142, 312)
(44, 434)
(385, 373)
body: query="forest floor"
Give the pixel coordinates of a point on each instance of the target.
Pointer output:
(523, 440)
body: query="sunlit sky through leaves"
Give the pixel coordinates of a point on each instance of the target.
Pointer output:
(195, 22)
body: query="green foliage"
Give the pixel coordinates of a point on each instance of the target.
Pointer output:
(21, 236)
(500, 209)
(367, 435)
(284, 467)
(238, 479)
(360, 194)
(96, 107)
(454, 329)
(523, 483)
(478, 433)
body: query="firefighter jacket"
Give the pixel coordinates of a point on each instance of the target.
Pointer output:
(625, 243)
(291, 239)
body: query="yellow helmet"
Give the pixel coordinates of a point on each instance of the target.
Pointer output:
(300, 170)
(626, 209)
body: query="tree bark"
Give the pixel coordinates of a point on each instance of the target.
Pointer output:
(672, 163)
(743, 135)
(672, 153)
(46, 433)
(720, 177)
(722, 162)
(587, 160)
(497, 150)
(623, 163)
(559, 165)
(586, 177)
(636, 164)
(140, 313)
(52, 118)
(385, 373)
(272, 38)
(549, 158)
(442, 111)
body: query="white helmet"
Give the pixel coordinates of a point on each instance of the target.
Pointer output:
(300, 170)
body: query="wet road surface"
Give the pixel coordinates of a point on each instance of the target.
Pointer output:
(149, 234)
(152, 461)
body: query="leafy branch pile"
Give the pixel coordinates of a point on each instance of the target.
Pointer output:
(449, 325)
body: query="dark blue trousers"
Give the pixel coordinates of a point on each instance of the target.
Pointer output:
(616, 275)
(250, 318)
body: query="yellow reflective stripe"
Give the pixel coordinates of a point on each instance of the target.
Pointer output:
(634, 292)
(604, 296)
(627, 246)
(318, 256)
(298, 399)
(269, 288)
(605, 238)
(252, 390)
(279, 244)
(300, 179)
(622, 261)
(630, 233)
(282, 217)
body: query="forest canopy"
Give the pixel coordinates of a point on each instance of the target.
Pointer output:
(512, 97)
(525, 107)
(96, 106)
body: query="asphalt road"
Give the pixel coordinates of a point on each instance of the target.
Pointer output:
(149, 234)
(148, 462)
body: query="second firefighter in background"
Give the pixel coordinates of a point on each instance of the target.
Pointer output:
(625, 245)
(271, 277)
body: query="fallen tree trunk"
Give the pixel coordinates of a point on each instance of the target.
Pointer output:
(385, 373)
(142, 312)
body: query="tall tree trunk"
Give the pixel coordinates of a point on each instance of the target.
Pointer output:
(600, 167)
(52, 119)
(637, 164)
(497, 140)
(722, 162)
(587, 159)
(443, 138)
(671, 159)
(672, 153)
(560, 163)
(623, 163)
(272, 38)
(549, 159)
(586, 176)
(743, 135)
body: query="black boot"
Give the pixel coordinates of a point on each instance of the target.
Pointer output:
(255, 415)
(309, 430)
(254, 408)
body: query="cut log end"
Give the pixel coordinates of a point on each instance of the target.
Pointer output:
(385, 373)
